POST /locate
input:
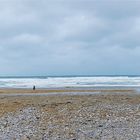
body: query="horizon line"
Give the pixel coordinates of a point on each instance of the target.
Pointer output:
(94, 75)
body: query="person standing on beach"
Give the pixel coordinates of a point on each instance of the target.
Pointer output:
(34, 87)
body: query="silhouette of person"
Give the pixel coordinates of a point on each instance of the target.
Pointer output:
(34, 87)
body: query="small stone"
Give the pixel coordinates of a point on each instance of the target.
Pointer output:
(100, 126)
(25, 138)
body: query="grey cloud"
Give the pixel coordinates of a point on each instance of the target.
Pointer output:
(69, 37)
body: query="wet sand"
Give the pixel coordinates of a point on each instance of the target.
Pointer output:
(61, 90)
(101, 114)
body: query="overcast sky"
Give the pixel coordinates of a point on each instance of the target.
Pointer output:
(66, 37)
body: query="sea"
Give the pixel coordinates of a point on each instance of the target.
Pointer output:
(70, 81)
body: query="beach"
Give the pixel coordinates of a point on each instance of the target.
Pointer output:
(69, 70)
(69, 114)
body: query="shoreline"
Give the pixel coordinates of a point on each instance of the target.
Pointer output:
(59, 90)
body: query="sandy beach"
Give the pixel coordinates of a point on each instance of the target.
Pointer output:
(100, 114)
(69, 70)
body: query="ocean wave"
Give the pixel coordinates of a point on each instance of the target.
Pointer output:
(49, 82)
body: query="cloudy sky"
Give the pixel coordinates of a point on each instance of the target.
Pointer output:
(66, 37)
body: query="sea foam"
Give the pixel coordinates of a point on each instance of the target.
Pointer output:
(56, 82)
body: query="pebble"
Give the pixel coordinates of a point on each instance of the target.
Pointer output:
(87, 124)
